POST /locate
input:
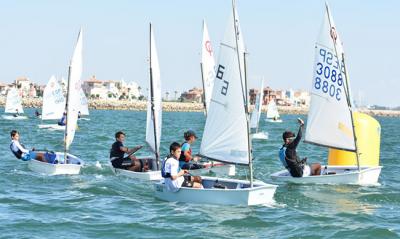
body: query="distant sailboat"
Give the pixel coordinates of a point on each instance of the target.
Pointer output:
(226, 134)
(84, 110)
(53, 104)
(330, 121)
(14, 106)
(67, 163)
(207, 66)
(272, 112)
(256, 114)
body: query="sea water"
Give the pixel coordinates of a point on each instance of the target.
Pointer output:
(98, 204)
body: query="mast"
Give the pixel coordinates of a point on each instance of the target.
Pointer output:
(204, 89)
(66, 112)
(244, 94)
(156, 151)
(346, 86)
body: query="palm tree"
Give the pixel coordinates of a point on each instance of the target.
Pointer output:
(166, 96)
(176, 92)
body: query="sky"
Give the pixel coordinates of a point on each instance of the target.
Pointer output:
(37, 39)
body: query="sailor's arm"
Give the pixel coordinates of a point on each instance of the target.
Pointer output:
(19, 146)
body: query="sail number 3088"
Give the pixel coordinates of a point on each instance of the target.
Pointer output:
(329, 79)
(225, 83)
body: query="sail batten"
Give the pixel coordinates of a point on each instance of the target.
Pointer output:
(329, 118)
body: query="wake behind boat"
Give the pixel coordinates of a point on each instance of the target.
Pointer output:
(353, 138)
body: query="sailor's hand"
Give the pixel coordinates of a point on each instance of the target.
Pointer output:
(185, 171)
(196, 158)
(301, 122)
(138, 147)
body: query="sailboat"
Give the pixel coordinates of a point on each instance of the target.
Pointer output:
(14, 105)
(207, 66)
(256, 114)
(334, 123)
(272, 112)
(154, 119)
(67, 163)
(53, 104)
(226, 134)
(84, 110)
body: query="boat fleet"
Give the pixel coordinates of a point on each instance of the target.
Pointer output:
(230, 127)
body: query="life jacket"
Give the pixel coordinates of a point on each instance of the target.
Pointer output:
(17, 153)
(182, 158)
(163, 173)
(282, 156)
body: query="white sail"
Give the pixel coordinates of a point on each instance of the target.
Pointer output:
(153, 129)
(272, 111)
(208, 65)
(329, 119)
(84, 103)
(256, 114)
(53, 100)
(225, 136)
(73, 96)
(13, 102)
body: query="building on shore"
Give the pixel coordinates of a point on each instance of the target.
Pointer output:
(110, 89)
(282, 97)
(192, 95)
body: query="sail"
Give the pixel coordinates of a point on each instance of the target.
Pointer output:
(272, 111)
(84, 103)
(225, 136)
(153, 129)
(13, 102)
(208, 65)
(256, 114)
(73, 96)
(53, 100)
(329, 120)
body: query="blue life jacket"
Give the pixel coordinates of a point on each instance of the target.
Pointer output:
(163, 173)
(282, 156)
(18, 153)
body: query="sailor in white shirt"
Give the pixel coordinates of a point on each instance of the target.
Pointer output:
(21, 152)
(173, 174)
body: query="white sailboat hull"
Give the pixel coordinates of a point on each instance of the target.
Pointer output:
(237, 193)
(52, 126)
(274, 121)
(259, 135)
(344, 175)
(219, 169)
(145, 176)
(12, 117)
(73, 167)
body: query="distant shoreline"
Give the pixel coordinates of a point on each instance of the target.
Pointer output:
(169, 106)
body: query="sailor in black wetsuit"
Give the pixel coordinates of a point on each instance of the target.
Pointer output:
(117, 154)
(297, 167)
